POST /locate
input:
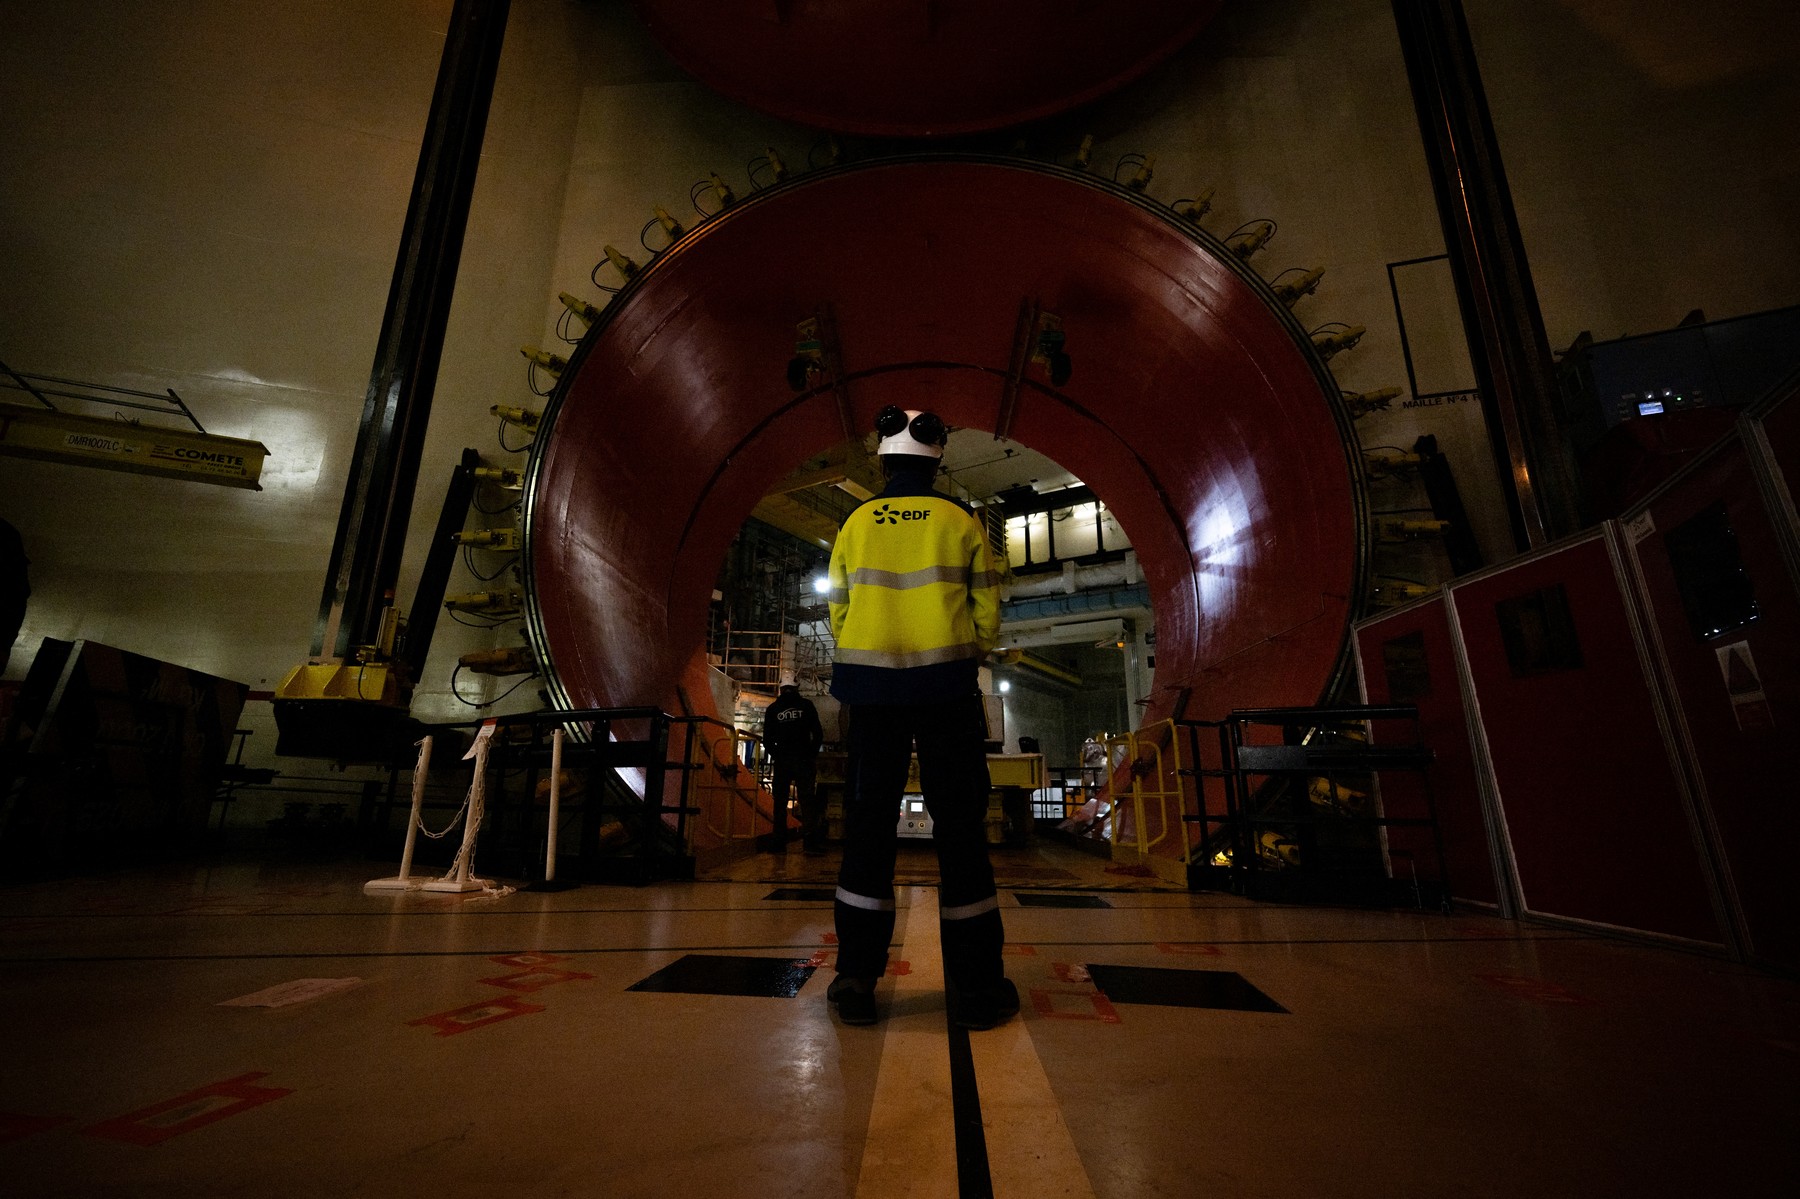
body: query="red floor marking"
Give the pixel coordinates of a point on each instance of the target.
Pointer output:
(157, 1123)
(899, 968)
(1189, 947)
(1097, 1006)
(529, 958)
(1020, 951)
(527, 981)
(818, 960)
(1132, 871)
(829, 939)
(16, 1128)
(1070, 972)
(477, 1015)
(1536, 990)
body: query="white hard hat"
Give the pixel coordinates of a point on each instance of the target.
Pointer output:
(911, 431)
(788, 680)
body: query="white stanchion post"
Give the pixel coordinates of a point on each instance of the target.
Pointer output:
(550, 882)
(403, 881)
(465, 857)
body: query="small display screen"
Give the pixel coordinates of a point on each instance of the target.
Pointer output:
(1649, 407)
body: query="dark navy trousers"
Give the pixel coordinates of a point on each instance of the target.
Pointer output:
(949, 739)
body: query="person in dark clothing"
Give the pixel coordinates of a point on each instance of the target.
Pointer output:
(915, 606)
(791, 737)
(15, 588)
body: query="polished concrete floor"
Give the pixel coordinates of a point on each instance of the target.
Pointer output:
(674, 1040)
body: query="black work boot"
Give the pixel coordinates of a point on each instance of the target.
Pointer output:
(984, 1007)
(854, 999)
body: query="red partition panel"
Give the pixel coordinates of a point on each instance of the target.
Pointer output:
(1738, 690)
(1598, 825)
(1407, 657)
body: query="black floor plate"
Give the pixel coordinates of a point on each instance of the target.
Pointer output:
(807, 893)
(1224, 989)
(721, 974)
(1060, 901)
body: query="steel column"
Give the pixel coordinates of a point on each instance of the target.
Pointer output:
(1501, 317)
(371, 532)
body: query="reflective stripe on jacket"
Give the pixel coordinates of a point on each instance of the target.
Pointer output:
(915, 597)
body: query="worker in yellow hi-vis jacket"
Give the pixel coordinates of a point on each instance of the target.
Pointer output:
(915, 607)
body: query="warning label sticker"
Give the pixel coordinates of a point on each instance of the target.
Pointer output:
(1743, 685)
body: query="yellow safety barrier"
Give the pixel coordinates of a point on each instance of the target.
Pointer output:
(728, 783)
(1153, 782)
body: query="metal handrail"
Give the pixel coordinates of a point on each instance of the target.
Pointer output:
(1140, 767)
(735, 798)
(1301, 756)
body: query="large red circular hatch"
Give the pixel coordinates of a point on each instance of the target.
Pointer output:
(1196, 410)
(918, 68)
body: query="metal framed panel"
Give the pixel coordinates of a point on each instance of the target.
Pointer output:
(1589, 793)
(1733, 736)
(1463, 810)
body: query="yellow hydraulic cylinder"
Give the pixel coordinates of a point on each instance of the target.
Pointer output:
(1145, 173)
(723, 191)
(1394, 528)
(670, 225)
(525, 418)
(1400, 591)
(1325, 791)
(491, 602)
(514, 660)
(1388, 462)
(1361, 403)
(1251, 240)
(1336, 341)
(554, 363)
(489, 539)
(500, 476)
(1289, 290)
(627, 268)
(1198, 207)
(583, 310)
(777, 167)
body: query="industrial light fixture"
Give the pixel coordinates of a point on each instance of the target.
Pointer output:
(1004, 685)
(821, 584)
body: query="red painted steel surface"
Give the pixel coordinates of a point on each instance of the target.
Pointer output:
(1194, 412)
(1443, 727)
(909, 69)
(1781, 426)
(1598, 827)
(1746, 764)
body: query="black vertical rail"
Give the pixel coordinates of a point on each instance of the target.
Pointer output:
(1501, 318)
(371, 532)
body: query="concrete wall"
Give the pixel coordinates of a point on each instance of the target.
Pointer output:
(208, 197)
